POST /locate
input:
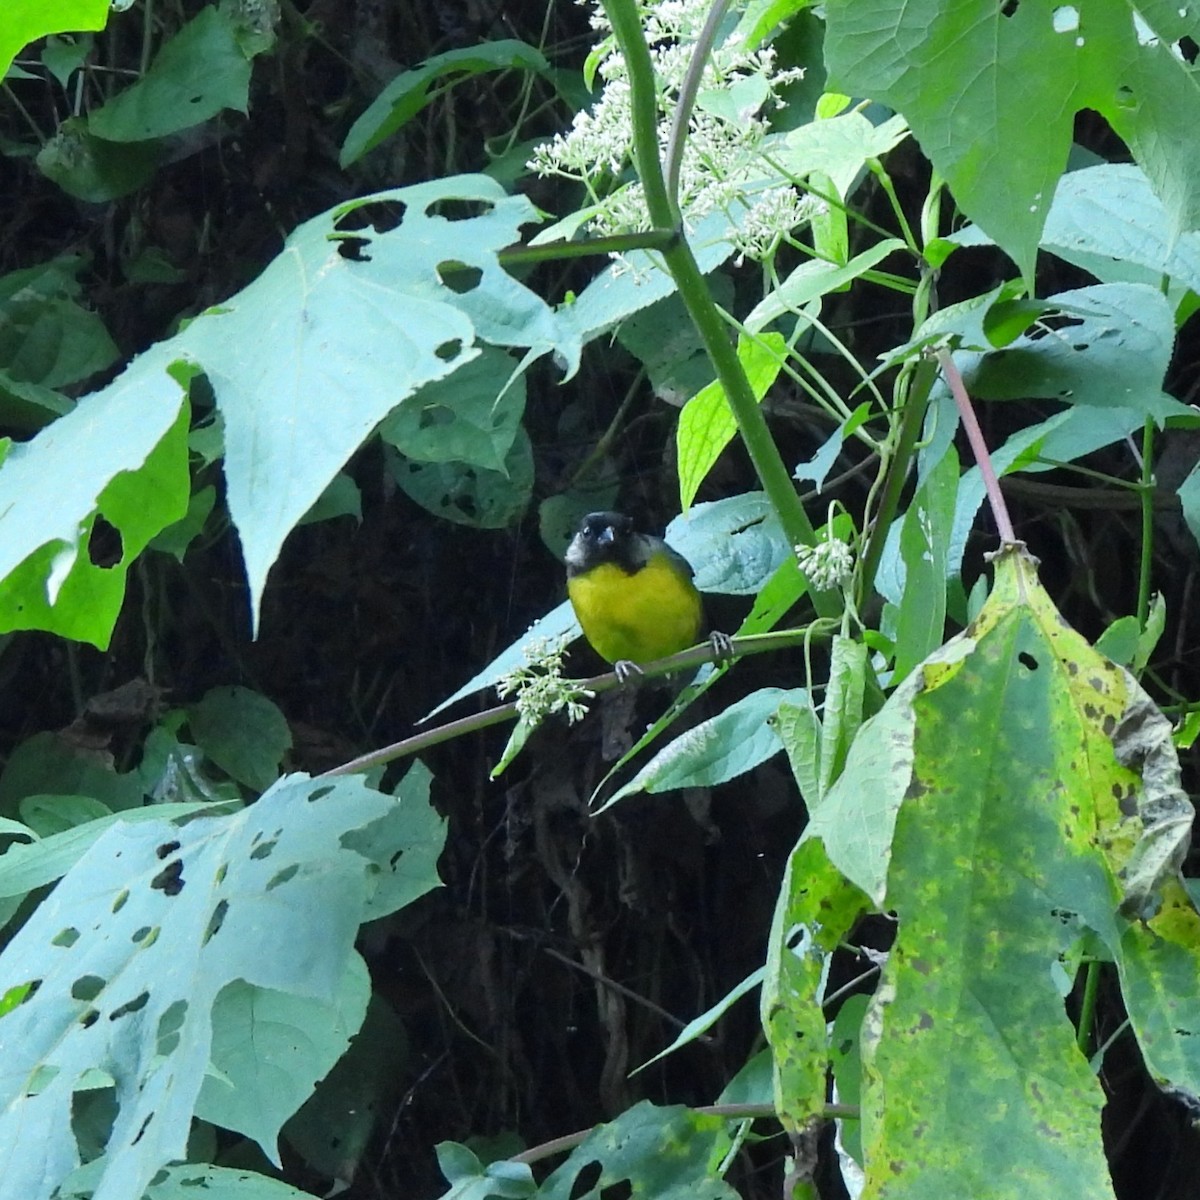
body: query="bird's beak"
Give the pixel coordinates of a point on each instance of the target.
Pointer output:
(607, 536)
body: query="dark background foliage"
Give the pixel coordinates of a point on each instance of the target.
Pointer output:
(564, 951)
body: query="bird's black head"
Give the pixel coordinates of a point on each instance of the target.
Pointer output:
(602, 537)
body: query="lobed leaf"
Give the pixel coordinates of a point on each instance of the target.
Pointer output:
(131, 955)
(991, 92)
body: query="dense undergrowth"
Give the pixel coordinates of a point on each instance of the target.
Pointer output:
(313, 352)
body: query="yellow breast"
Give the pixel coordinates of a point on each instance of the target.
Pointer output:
(640, 617)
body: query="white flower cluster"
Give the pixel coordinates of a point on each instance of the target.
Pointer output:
(539, 685)
(828, 564)
(721, 163)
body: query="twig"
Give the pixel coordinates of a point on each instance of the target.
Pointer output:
(978, 446)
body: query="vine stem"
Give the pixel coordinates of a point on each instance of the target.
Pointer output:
(983, 458)
(1146, 497)
(689, 280)
(736, 1112)
(687, 96)
(759, 643)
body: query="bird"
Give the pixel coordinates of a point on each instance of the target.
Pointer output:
(632, 593)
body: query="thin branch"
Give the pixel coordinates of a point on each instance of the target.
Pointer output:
(687, 97)
(735, 1112)
(978, 446)
(686, 659)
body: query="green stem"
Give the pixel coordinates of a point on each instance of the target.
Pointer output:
(619, 243)
(885, 181)
(689, 280)
(1147, 498)
(1087, 1008)
(685, 660)
(915, 401)
(687, 96)
(147, 35)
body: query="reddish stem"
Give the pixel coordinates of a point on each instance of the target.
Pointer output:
(978, 446)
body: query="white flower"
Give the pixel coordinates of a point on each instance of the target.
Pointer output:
(539, 685)
(828, 564)
(722, 156)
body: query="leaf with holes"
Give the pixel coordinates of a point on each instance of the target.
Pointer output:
(1016, 791)
(667, 1153)
(129, 959)
(1107, 220)
(1110, 348)
(80, 501)
(347, 322)
(269, 1049)
(991, 91)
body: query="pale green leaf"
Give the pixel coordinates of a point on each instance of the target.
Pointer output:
(269, 1049)
(1189, 499)
(715, 751)
(707, 1019)
(838, 147)
(814, 279)
(146, 931)
(734, 545)
(559, 622)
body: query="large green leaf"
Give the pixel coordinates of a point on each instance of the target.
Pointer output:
(200, 71)
(1107, 220)
(991, 92)
(306, 361)
(24, 21)
(133, 953)
(122, 456)
(1015, 789)
(269, 1049)
(1111, 349)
